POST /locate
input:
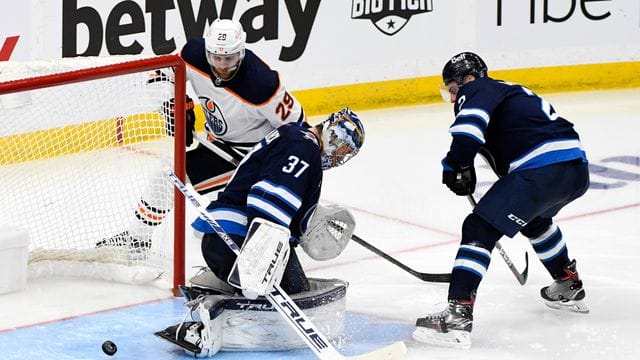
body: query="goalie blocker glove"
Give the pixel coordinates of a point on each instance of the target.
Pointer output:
(169, 113)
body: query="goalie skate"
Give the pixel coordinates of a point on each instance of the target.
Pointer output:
(191, 337)
(187, 337)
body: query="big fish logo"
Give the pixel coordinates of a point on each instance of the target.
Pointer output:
(215, 121)
(389, 16)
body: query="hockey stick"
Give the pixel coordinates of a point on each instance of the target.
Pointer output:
(223, 154)
(444, 278)
(521, 277)
(283, 303)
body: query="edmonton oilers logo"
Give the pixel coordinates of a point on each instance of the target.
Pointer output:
(214, 118)
(389, 16)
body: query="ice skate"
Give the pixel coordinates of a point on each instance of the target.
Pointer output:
(451, 327)
(566, 292)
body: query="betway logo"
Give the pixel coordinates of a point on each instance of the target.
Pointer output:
(127, 18)
(7, 47)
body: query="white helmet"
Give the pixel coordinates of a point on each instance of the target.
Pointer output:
(225, 37)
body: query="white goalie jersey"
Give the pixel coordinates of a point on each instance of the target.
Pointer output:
(243, 109)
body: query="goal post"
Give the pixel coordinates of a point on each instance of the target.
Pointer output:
(80, 140)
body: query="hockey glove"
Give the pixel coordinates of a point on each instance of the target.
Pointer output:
(460, 180)
(168, 111)
(328, 233)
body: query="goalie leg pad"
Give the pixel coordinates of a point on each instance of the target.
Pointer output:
(254, 325)
(262, 259)
(329, 232)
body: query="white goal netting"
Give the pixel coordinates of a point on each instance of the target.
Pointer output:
(74, 161)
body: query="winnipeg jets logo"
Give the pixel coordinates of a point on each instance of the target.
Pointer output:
(309, 136)
(389, 16)
(216, 123)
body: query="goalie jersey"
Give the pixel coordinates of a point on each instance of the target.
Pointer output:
(279, 180)
(512, 127)
(242, 110)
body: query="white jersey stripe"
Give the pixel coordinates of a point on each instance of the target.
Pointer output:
(545, 148)
(475, 113)
(226, 215)
(280, 192)
(468, 129)
(269, 209)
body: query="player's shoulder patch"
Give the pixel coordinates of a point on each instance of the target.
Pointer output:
(308, 135)
(298, 133)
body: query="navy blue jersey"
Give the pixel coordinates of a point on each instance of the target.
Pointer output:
(512, 127)
(279, 180)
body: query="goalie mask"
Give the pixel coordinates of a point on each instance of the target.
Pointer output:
(224, 43)
(342, 138)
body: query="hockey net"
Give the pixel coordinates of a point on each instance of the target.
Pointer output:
(80, 140)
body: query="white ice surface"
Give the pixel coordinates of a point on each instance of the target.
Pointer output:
(393, 188)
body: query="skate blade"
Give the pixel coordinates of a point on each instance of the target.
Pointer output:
(454, 339)
(574, 306)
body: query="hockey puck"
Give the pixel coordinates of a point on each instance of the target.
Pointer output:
(109, 347)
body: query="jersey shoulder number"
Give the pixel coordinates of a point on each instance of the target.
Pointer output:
(296, 166)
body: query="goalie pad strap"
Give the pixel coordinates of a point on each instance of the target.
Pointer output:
(329, 232)
(262, 259)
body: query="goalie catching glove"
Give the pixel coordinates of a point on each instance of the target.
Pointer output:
(262, 258)
(329, 232)
(169, 113)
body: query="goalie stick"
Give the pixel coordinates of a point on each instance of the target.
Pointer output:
(283, 303)
(428, 277)
(520, 276)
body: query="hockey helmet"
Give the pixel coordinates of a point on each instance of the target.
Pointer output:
(342, 138)
(461, 65)
(225, 39)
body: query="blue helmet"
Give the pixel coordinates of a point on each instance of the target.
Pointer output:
(342, 138)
